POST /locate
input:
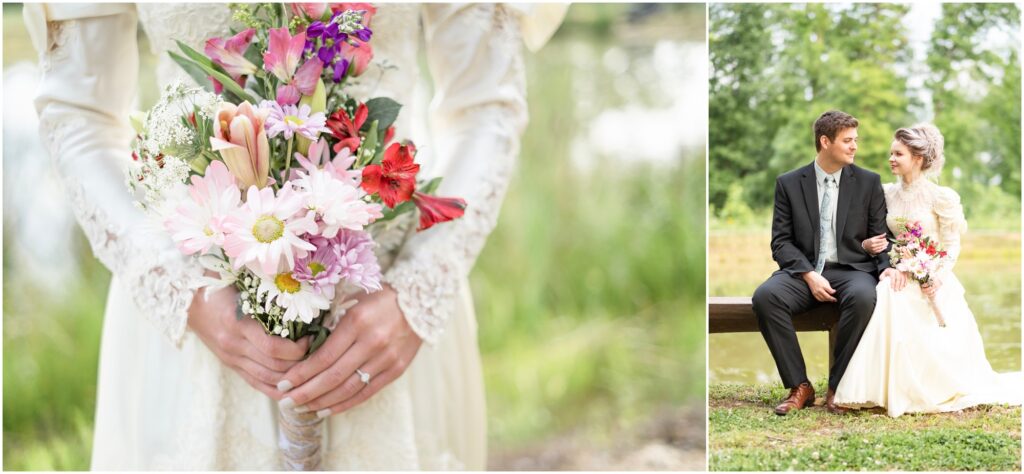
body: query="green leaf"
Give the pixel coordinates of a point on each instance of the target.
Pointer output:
(430, 186)
(391, 213)
(197, 73)
(368, 150)
(383, 110)
(212, 69)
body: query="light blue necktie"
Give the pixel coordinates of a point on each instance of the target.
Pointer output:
(825, 218)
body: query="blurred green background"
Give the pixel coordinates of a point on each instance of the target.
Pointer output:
(776, 67)
(589, 294)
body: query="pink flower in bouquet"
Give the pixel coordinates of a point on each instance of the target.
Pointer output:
(434, 209)
(337, 204)
(265, 232)
(300, 300)
(348, 257)
(313, 11)
(291, 119)
(230, 55)
(359, 266)
(240, 137)
(282, 58)
(321, 267)
(394, 180)
(198, 223)
(358, 56)
(319, 155)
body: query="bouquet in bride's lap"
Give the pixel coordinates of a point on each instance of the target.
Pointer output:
(920, 257)
(276, 180)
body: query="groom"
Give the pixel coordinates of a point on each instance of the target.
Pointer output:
(823, 211)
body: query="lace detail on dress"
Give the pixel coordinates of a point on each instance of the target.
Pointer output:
(159, 277)
(190, 23)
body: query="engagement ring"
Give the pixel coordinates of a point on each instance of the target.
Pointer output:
(363, 377)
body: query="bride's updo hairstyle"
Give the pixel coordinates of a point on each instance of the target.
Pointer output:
(924, 140)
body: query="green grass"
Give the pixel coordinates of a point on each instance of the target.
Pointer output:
(745, 435)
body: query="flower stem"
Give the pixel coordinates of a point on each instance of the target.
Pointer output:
(287, 160)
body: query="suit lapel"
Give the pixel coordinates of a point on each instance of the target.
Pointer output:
(808, 182)
(846, 189)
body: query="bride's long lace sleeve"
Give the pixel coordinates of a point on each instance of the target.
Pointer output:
(950, 217)
(477, 116)
(89, 62)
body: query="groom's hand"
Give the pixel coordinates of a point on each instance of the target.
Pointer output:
(820, 287)
(875, 245)
(896, 278)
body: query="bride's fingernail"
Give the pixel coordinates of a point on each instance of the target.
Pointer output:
(284, 385)
(286, 403)
(302, 409)
(323, 413)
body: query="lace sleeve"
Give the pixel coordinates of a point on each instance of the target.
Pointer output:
(89, 63)
(476, 117)
(950, 215)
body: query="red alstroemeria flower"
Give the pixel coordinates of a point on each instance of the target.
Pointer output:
(394, 179)
(434, 209)
(346, 128)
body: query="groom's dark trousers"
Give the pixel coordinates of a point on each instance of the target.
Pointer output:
(860, 213)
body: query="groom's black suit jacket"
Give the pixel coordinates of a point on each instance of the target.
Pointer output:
(860, 213)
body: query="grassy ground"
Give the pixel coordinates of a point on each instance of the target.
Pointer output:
(745, 435)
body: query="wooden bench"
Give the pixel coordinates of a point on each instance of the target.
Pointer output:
(736, 314)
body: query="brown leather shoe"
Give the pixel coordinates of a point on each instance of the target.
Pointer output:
(830, 404)
(801, 396)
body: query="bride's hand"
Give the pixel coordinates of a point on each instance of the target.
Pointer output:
(242, 344)
(896, 278)
(875, 245)
(931, 287)
(372, 337)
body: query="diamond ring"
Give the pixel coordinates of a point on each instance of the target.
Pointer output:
(363, 377)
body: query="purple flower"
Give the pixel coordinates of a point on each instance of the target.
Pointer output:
(363, 34)
(326, 54)
(315, 29)
(339, 70)
(321, 268)
(347, 257)
(358, 263)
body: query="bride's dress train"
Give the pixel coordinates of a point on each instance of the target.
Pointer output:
(164, 400)
(905, 361)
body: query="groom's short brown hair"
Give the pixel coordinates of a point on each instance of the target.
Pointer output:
(831, 123)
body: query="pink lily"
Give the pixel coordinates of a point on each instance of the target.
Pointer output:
(313, 11)
(358, 56)
(230, 53)
(241, 138)
(303, 82)
(282, 59)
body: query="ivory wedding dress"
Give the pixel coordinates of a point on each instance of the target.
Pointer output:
(164, 400)
(905, 361)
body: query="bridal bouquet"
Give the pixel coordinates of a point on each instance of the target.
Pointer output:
(919, 256)
(275, 178)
